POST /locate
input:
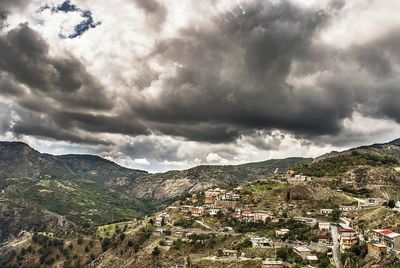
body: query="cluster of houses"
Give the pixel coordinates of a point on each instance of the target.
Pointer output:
(219, 201)
(383, 241)
(251, 216)
(162, 219)
(371, 202)
(299, 178)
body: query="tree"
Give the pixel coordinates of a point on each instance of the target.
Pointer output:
(391, 203)
(156, 252)
(282, 254)
(122, 237)
(167, 232)
(105, 244)
(245, 244)
(336, 214)
(220, 214)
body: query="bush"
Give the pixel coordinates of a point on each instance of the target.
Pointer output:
(245, 244)
(105, 244)
(122, 237)
(156, 252)
(391, 203)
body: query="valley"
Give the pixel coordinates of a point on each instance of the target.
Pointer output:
(334, 211)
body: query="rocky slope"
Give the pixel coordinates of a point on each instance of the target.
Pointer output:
(177, 183)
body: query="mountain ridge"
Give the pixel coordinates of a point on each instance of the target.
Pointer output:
(55, 191)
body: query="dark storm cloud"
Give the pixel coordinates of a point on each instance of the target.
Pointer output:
(5, 118)
(100, 123)
(203, 131)
(234, 76)
(152, 150)
(44, 128)
(25, 56)
(376, 84)
(45, 87)
(156, 13)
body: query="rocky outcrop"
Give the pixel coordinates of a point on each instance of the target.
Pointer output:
(300, 193)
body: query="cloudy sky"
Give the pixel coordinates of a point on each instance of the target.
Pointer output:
(169, 84)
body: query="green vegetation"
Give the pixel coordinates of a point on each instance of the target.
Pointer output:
(288, 255)
(290, 162)
(335, 166)
(356, 254)
(79, 201)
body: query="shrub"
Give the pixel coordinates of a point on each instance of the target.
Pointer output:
(105, 244)
(156, 252)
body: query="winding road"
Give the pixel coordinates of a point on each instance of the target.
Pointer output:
(336, 247)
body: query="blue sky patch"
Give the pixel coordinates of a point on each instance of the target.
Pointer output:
(67, 7)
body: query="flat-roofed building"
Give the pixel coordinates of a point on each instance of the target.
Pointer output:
(281, 232)
(347, 238)
(271, 263)
(387, 237)
(261, 242)
(377, 250)
(302, 251)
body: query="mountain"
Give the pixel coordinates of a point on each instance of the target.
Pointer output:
(42, 191)
(19, 160)
(173, 184)
(78, 197)
(95, 168)
(363, 167)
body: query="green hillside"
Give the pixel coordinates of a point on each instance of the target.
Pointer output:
(334, 166)
(281, 164)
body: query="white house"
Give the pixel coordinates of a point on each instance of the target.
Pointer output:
(271, 263)
(308, 221)
(302, 251)
(324, 226)
(326, 211)
(261, 242)
(281, 232)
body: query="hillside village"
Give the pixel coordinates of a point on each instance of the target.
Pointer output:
(321, 234)
(306, 216)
